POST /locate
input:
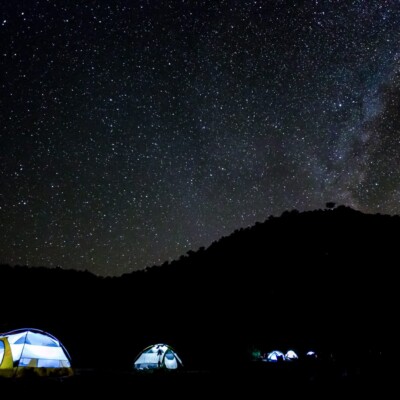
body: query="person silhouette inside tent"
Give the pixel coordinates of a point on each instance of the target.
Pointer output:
(159, 353)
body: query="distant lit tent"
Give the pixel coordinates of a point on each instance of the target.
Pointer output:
(157, 356)
(291, 355)
(31, 351)
(275, 356)
(311, 354)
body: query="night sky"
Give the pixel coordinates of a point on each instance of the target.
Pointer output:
(134, 131)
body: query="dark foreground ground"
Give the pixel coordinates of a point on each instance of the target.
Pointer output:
(255, 381)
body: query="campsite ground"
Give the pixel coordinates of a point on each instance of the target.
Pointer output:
(313, 381)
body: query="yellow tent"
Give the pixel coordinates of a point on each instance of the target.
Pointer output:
(32, 352)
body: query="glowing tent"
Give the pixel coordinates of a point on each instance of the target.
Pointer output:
(291, 355)
(275, 356)
(157, 356)
(311, 354)
(32, 351)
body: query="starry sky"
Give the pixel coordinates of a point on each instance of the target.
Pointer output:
(134, 131)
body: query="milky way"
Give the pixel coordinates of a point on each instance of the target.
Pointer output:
(134, 131)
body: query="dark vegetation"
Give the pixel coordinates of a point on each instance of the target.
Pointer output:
(324, 280)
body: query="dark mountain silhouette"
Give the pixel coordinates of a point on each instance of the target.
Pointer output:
(323, 280)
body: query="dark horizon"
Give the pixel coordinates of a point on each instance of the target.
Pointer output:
(329, 207)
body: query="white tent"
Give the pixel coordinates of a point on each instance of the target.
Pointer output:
(311, 354)
(157, 356)
(275, 356)
(33, 349)
(291, 355)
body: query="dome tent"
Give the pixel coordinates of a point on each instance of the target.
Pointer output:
(157, 356)
(275, 356)
(32, 351)
(311, 354)
(291, 355)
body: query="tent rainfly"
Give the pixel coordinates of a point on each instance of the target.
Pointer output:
(31, 351)
(157, 356)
